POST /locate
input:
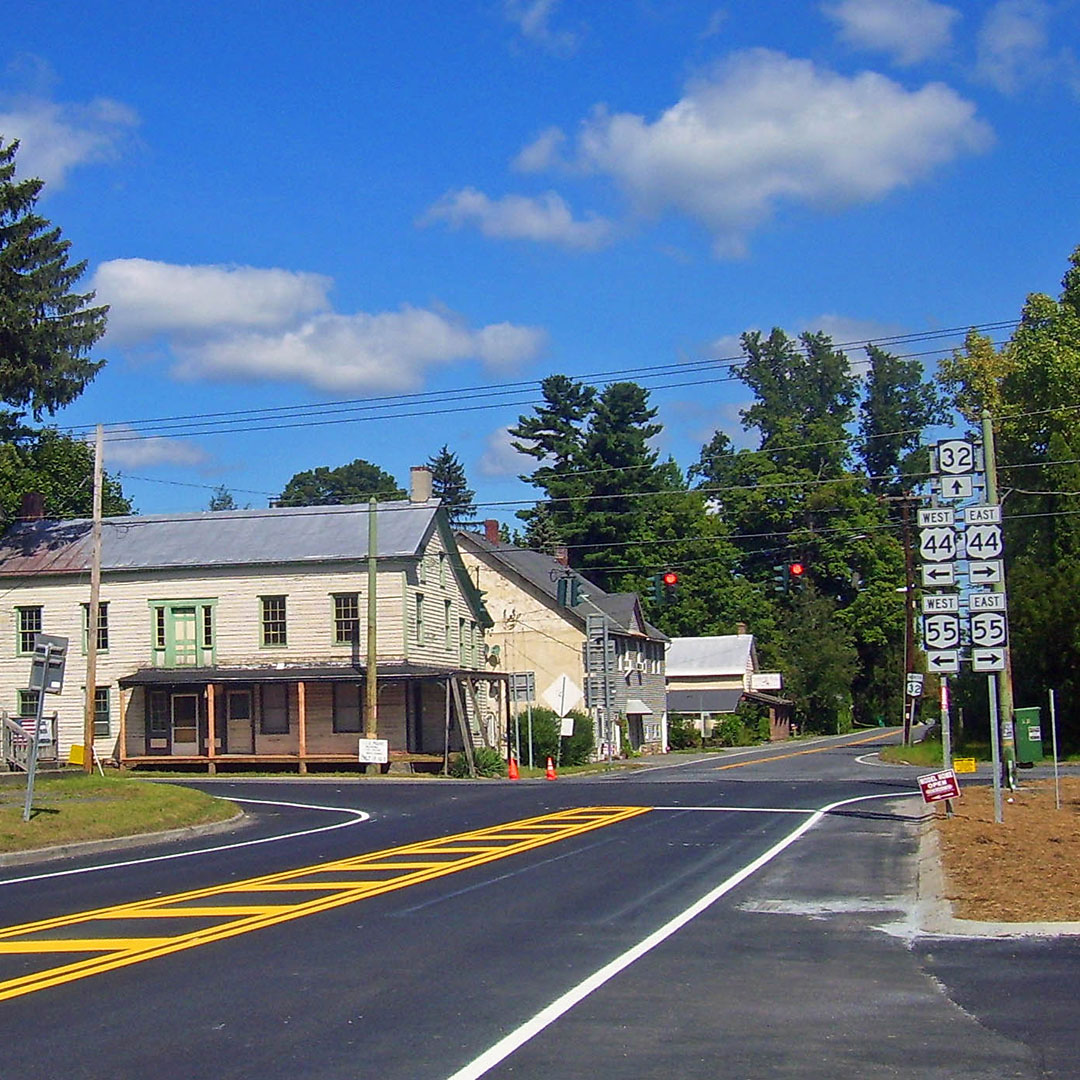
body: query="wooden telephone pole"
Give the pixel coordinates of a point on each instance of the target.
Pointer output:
(93, 613)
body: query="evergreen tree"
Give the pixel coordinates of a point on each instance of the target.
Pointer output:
(222, 499)
(46, 330)
(359, 481)
(555, 436)
(450, 486)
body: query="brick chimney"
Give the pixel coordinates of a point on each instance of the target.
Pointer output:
(562, 554)
(741, 629)
(32, 507)
(491, 531)
(419, 484)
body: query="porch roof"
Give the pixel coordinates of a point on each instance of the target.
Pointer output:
(198, 676)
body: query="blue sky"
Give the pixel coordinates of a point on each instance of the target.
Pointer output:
(291, 205)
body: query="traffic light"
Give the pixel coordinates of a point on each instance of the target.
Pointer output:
(781, 574)
(665, 587)
(671, 585)
(571, 591)
(796, 575)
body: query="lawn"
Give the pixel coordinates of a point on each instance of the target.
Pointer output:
(67, 810)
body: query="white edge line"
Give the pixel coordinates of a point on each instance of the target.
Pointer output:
(741, 809)
(547, 1016)
(358, 816)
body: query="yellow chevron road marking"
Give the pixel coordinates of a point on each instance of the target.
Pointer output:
(239, 913)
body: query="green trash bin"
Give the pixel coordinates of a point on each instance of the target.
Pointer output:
(1028, 735)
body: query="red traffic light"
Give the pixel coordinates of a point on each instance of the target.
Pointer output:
(796, 569)
(671, 578)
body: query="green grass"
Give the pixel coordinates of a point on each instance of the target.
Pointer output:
(83, 807)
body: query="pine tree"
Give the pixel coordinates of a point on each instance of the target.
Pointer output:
(46, 330)
(451, 487)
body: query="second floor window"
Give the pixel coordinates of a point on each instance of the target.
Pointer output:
(346, 618)
(29, 622)
(273, 620)
(102, 627)
(420, 618)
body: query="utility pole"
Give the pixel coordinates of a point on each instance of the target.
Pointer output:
(93, 613)
(1004, 684)
(371, 718)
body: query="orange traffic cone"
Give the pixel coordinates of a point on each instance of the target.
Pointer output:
(550, 772)
(512, 769)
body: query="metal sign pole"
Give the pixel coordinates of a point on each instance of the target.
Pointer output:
(995, 744)
(35, 739)
(1053, 739)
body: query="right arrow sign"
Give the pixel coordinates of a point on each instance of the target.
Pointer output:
(987, 659)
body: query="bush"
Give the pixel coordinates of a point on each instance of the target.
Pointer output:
(682, 735)
(488, 762)
(577, 749)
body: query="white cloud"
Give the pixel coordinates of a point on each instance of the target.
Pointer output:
(55, 137)
(845, 330)
(501, 459)
(533, 19)
(125, 447)
(543, 153)
(908, 30)
(545, 219)
(1014, 48)
(148, 298)
(763, 129)
(342, 353)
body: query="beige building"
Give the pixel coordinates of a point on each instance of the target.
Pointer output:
(241, 636)
(534, 633)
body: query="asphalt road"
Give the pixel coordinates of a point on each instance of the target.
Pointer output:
(701, 921)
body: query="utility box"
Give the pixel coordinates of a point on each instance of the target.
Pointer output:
(1028, 735)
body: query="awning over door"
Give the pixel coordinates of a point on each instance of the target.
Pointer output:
(703, 701)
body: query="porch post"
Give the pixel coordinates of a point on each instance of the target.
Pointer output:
(125, 703)
(211, 732)
(301, 713)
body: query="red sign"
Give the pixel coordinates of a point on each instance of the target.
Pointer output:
(939, 785)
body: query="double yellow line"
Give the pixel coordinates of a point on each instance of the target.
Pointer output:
(111, 935)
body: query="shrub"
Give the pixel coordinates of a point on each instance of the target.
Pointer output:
(488, 762)
(682, 735)
(577, 749)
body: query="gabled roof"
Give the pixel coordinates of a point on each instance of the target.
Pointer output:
(730, 654)
(308, 534)
(542, 572)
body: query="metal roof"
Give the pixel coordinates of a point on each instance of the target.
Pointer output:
(218, 538)
(193, 676)
(729, 654)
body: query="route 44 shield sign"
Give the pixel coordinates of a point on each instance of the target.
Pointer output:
(937, 544)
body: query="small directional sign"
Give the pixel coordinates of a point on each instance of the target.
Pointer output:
(986, 573)
(955, 457)
(941, 632)
(987, 659)
(944, 661)
(983, 542)
(935, 575)
(914, 684)
(957, 487)
(940, 602)
(989, 630)
(936, 515)
(937, 544)
(989, 601)
(986, 514)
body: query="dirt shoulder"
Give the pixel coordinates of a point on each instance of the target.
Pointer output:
(1026, 869)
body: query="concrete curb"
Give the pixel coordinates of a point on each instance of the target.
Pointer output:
(934, 913)
(118, 843)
